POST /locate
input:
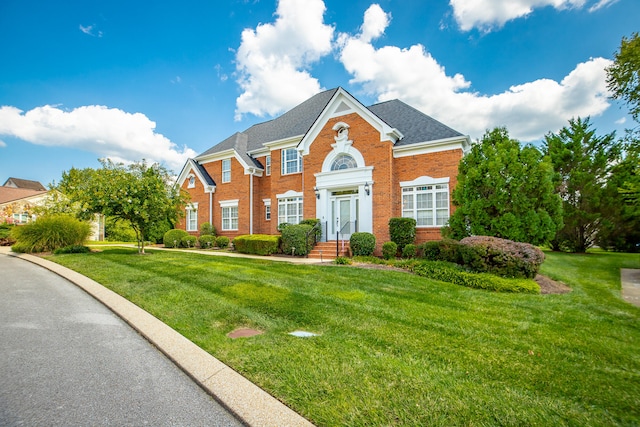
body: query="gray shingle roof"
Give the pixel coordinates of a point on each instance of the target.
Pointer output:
(414, 125)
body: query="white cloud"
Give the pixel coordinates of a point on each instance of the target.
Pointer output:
(488, 14)
(621, 121)
(602, 4)
(2, 143)
(107, 132)
(89, 30)
(273, 60)
(528, 110)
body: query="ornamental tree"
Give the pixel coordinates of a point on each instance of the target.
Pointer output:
(141, 194)
(505, 190)
(583, 163)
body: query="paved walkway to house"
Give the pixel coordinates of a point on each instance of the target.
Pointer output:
(630, 279)
(120, 400)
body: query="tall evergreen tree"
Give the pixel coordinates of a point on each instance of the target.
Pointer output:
(583, 163)
(505, 190)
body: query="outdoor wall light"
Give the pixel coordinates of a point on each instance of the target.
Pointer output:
(367, 190)
(317, 192)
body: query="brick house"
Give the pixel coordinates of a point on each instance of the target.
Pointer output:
(353, 167)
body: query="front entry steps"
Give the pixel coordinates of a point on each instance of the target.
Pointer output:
(329, 250)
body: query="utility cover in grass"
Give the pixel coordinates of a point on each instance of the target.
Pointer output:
(243, 333)
(303, 334)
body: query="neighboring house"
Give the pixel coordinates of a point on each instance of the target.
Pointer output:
(353, 167)
(18, 197)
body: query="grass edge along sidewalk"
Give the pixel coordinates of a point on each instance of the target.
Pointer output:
(252, 405)
(394, 348)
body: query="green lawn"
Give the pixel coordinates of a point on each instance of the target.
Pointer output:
(397, 349)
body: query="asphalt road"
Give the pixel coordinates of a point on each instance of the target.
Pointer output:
(66, 360)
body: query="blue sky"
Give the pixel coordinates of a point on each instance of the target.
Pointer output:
(81, 80)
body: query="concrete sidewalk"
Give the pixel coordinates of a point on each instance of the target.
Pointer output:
(630, 279)
(249, 403)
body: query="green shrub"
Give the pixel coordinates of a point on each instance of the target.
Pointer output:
(389, 250)
(442, 250)
(207, 241)
(402, 231)
(294, 240)
(118, 230)
(501, 257)
(257, 244)
(173, 238)
(5, 235)
(188, 241)
(50, 232)
(362, 244)
(452, 273)
(409, 251)
(314, 222)
(73, 249)
(222, 242)
(282, 226)
(341, 260)
(206, 229)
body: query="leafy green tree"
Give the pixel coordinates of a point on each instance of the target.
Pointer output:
(505, 190)
(620, 230)
(140, 194)
(583, 163)
(623, 76)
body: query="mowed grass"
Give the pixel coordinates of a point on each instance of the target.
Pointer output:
(397, 349)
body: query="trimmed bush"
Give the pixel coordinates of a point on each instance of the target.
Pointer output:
(389, 250)
(313, 222)
(294, 240)
(501, 257)
(362, 244)
(207, 241)
(442, 250)
(341, 260)
(49, 233)
(282, 226)
(409, 251)
(73, 249)
(188, 241)
(118, 230)
(206, 229)
(402, 231)
(222, 242)
(257, 244)
(173, 238)
(452, 273)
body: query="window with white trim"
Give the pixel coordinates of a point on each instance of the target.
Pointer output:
(229, 218)
(192, 217)
(226, 170)
(291, 161)
(192, 181)
(290, 210)
(344, 161)
(427, 204)
(267, 166)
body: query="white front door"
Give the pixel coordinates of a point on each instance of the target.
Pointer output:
(344, 215)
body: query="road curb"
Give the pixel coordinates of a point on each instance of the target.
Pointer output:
(249, 403)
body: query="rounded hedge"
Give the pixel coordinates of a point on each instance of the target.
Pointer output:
(389, 250)
(362, 244)
(188, 241)
(173, 238)
(222, 242)
(207, 241)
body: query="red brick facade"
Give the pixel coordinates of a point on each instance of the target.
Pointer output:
(385, 168)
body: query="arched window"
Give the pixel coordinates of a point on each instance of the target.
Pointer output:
(344, 161)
